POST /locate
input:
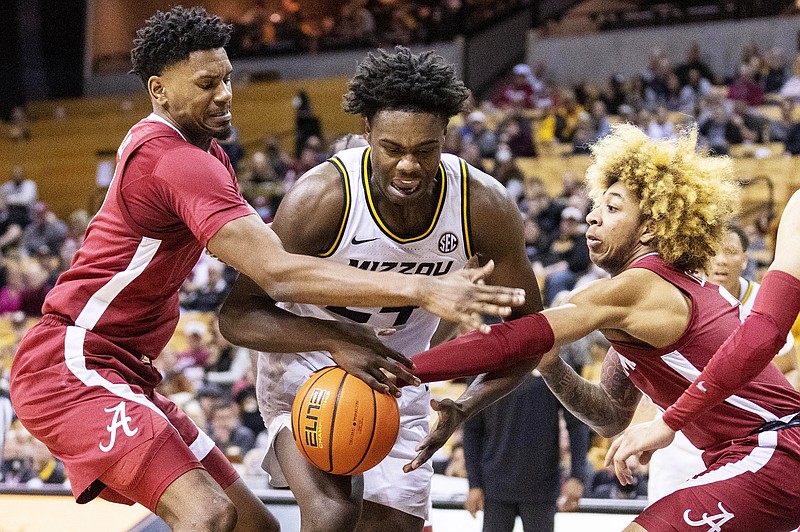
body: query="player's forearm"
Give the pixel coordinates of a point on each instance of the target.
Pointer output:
(490, 387)
(586, 401)
(526, 338)
(311, 280)
(258, 324)
(745, 353)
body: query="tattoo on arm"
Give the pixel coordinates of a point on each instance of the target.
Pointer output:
(606, 407)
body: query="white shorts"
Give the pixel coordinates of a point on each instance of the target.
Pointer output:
(280, 375)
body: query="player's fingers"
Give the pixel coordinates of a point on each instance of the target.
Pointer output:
(472, 263)
(622, 470)
(375, 381)
(436, 406)
(612, 450)
(404, 360)
(403, 375)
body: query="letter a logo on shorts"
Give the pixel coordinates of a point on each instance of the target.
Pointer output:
(714, 522)
(120, 419)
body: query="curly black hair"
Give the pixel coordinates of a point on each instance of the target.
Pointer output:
(169, 37)
(403, 81)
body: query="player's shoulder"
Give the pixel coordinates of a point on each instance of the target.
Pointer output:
(313, 207)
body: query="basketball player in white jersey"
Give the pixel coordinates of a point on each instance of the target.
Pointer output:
(400, 205)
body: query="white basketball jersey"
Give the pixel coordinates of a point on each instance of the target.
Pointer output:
(364, 241)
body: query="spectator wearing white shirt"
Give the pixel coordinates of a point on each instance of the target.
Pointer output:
(20, 192)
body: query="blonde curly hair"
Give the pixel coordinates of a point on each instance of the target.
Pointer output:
(688, 196)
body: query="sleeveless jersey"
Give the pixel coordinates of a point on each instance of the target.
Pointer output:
(664, 374)
(166, 200)
(364, 241)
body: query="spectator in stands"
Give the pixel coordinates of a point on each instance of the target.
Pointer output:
(46, 233)
(774, 75)
(507, 172)
(750, 122)
(600, 122)
(233, 147)
(516, 131)
(660, 126)
(11, 292)
(568, 256)
(19, 130)
(791, 88)
(209, 295)
(356, 25)
(718, 131)
(519, 91)
(244, 394)
(21, 193)
(37, 285)
(227, 364)
(570, 111)
(550, 125)
(11, 223)
(694, 62)
(197, 352)
(476, 130)
(471, 153)
(307, 124)
(228, 433)
(695, 87)
(745, 87)
(583, 134)
(506, 480)
(791, 144)
(209, 397)
(77, 222)
(778, 130)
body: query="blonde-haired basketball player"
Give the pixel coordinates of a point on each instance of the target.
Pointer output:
(660, 209)
(397, 205)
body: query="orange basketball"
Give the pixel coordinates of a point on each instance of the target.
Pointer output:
(341, 425)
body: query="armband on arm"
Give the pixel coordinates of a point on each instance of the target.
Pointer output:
(528, 337)
(745, 353)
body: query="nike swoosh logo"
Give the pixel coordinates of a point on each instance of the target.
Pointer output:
(701, 387)
(356, 241)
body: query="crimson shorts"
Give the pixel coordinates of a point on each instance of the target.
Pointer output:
(754, 485)
(93, 404)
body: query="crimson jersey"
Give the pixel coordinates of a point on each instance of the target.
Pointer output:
(166, 200)
(663, 374)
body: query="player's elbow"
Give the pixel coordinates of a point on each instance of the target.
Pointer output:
(231, 324)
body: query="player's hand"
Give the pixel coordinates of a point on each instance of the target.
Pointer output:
(474, 501)
(571, 493)
(358, 350)
(451, 416)
(463, 296)
(638, 441)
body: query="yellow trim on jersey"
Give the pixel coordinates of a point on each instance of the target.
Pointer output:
(465, 208)
(346, 208)
(747, 292)
(366, 171)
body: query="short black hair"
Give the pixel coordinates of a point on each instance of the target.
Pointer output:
(169, 37)
(733, 228)
(403, 81)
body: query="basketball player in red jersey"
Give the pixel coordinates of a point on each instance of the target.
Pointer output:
(660, 211)
(82, 381)
(396, 204)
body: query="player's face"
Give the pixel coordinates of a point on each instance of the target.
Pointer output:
(615, 230)
(406, 149)
(196, 95)
(728, 264)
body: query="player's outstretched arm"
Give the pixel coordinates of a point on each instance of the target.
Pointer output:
(250, 318)
(752, 347)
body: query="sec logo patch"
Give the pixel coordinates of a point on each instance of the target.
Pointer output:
(448, 243)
